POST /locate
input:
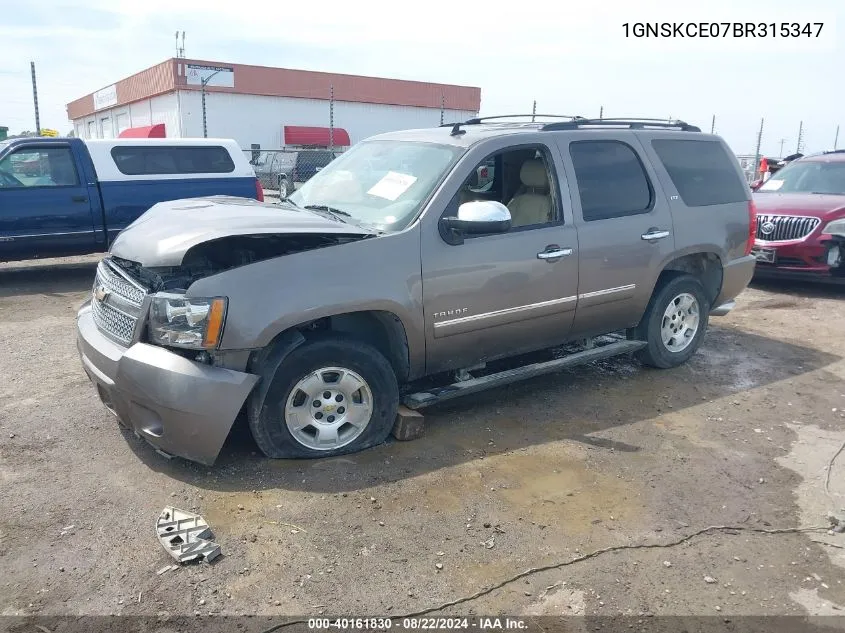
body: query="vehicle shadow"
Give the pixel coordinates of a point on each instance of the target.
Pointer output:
(52, 277)
(808, 289)
(575, 405)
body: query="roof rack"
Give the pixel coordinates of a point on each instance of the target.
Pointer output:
(456, 126)
(578, 122)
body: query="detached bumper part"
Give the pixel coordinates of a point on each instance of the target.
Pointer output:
(185, 535)
(180, 407)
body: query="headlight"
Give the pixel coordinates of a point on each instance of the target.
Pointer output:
(192, 322)
(835, 226)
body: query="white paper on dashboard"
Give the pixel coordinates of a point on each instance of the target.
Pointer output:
(771, 185)
(392, 185)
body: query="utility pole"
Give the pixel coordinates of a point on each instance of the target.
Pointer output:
(713, 125)
(836, 138)
(757, 152)
(442, 108)
(800, 137)
(331, 117)
(601, 113)
(203, 84)
(782, 141)
(35, 100)
(534, 111)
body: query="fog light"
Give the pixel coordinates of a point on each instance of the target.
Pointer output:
(834, 256)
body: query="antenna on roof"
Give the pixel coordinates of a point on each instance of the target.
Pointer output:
(180, 50)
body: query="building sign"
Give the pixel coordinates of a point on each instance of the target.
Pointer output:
(105, 98)
(222, 76)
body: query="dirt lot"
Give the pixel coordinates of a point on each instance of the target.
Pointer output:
(543, 473)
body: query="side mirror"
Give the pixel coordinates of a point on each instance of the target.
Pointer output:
(756, 184)
(475, 218)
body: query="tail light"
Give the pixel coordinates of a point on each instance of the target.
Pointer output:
(752, 226)
(484, 172)
(259, 191)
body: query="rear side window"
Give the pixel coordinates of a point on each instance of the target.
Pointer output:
(702, 171)
(163, 159)
(611, 180)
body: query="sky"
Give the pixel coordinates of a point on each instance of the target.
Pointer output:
(572, 58)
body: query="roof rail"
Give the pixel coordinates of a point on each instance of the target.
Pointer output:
(632, 123)
(456, 126)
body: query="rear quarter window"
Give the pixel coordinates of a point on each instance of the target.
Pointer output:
(158, 160)
(702, 171)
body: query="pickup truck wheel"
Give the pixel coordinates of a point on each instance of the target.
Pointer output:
(283, 188)
(674, 322)
(330, 396)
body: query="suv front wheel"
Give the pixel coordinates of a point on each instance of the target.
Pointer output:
(674, 322)
(330, 396)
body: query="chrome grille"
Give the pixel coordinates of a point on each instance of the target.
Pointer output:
(116, 303)
(782, 228)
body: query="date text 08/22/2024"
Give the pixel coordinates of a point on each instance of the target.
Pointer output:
(785, 30)
(417, 624)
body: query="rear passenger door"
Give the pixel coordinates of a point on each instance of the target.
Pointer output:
(625, 229)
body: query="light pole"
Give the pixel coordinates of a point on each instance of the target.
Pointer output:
(204, 83)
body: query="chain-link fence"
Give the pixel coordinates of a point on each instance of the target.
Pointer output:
(284, 170)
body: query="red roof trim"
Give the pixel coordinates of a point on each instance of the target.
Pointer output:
(319, 136)
(149, 131)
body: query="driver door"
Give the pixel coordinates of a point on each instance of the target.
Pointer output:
(502, 294)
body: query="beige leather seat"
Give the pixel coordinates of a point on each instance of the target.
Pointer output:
(533, 204)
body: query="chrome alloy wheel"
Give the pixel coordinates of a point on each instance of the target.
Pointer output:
(329, 408)
(680, 322)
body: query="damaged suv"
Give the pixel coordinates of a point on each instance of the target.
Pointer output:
(318, 316)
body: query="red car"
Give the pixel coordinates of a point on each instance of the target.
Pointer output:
(801, 220)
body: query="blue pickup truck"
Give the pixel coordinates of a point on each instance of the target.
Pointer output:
(66, 196)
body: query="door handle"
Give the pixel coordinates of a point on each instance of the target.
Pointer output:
(554, 253)
(79, 199)
(654, 234)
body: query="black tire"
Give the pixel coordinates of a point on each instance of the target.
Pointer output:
(656, 354)
(284, 188)
(268, 425)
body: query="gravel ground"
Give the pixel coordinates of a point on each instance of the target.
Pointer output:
(610, 458)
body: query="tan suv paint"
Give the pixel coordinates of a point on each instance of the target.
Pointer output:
(385, 308)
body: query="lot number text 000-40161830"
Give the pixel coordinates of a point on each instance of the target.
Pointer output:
(723, 29)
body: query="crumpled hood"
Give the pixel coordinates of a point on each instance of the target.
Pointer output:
(162, 235)
(810, 204)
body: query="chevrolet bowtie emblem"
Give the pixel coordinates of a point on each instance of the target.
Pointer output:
(100, 293)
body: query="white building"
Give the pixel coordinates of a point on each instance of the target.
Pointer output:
(268, 107)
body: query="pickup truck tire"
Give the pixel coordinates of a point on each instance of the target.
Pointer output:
(674, 322)
(283, 188)
(330, 396)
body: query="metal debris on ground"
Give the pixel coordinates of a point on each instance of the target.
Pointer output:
(185, 535)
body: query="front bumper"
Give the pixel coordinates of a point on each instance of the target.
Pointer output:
(180, 407)
(799, 259)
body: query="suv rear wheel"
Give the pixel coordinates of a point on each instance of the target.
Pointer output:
(331, 396)
(674, 322)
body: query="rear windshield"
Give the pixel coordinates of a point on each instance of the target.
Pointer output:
(809, 176)
(153, 160)
(702, 171)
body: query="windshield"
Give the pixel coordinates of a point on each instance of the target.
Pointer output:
(379, 183)
(808, 177)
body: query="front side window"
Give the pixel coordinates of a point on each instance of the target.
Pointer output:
(518, 178)
(809, 176)
(42, 167)
(702, 171)
(172, 159)
(382, 184)
(612, 181)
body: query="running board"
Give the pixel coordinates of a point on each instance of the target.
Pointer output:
(422, 399)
